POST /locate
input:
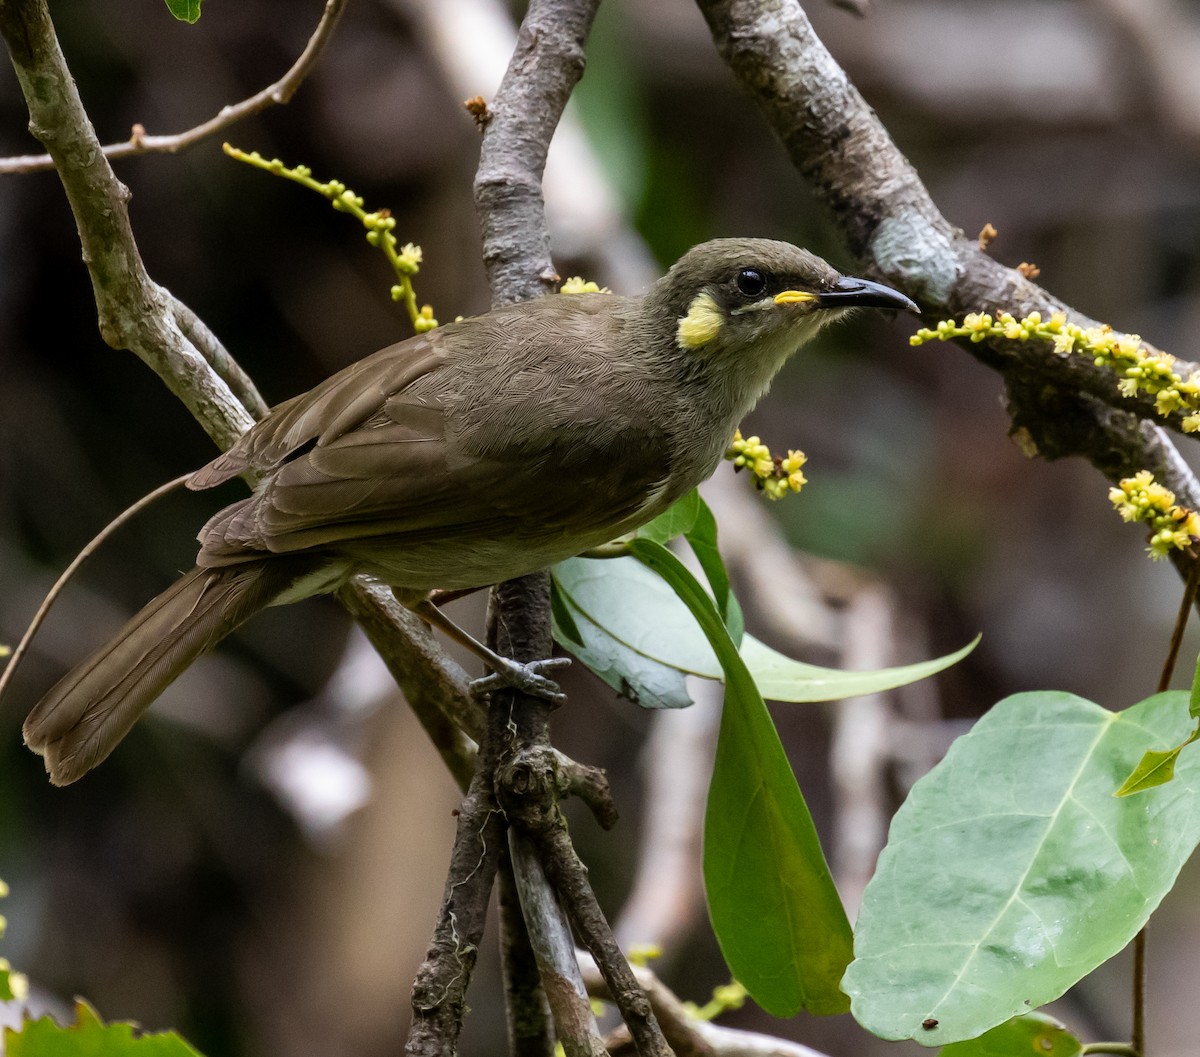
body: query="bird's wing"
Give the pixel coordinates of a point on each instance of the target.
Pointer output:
(338, 405)
(534, 450)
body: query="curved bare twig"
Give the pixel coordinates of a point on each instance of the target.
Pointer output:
(278, 93)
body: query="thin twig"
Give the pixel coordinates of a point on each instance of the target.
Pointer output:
(439, 990)
(688, 1036)
(43, 610)
(1181, 620)
(278, 93)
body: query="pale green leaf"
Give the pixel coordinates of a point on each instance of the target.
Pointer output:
(1012, 871)
(641, 639)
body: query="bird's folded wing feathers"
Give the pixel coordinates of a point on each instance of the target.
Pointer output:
(338, 405)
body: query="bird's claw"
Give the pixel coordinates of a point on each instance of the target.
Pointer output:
(527, 678)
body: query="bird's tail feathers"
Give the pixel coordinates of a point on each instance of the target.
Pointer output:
(81, 720)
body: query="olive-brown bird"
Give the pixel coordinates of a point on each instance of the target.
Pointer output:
(477, 452)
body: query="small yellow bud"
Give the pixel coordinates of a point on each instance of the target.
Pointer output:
(425, 321)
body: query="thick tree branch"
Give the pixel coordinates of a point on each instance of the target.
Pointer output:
(889, 220)
(280, 92)
(545, 67)
(554, 952)
(527, 791)
(138, 314)
(525, 999)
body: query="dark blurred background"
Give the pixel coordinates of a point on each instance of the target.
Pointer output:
(259, 863)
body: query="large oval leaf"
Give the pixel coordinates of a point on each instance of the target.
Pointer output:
(641, 639)
(1012, 870)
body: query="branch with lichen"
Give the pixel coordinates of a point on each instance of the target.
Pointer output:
(405, 261)
(1141, 371)
(1172, 527)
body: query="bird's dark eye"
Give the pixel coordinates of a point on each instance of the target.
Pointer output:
(750, 282)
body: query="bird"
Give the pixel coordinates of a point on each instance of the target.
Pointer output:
(473, 453)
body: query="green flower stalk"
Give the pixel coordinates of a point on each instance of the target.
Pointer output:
(405, 261)
(1140, 371)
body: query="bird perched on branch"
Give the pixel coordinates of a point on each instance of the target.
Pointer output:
(474, 453)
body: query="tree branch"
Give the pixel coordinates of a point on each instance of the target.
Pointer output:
(688, 1036)
(280, 92)
(527, 790)
(889, 220)
(136, 313)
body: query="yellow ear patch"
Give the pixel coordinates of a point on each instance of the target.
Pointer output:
(702, 323)
(794, 297)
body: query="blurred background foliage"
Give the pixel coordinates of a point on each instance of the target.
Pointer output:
(171, 886)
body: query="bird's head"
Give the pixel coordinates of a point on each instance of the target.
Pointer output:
(755, 300)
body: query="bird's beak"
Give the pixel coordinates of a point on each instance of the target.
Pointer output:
(862, 293)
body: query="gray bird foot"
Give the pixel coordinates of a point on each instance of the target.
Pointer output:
(527, 678)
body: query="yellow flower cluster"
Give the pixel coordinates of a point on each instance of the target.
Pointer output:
(773, 474)
(577, 284)
(1141, 498)
(12, 985)
(1140, 371)
(406, 261)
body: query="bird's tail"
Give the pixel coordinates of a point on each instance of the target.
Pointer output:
(81, 720)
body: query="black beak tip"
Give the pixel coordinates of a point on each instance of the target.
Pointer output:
(863, 293)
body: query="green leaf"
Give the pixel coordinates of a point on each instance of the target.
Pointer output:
(1033, 1035)
(1154, 768)
(676, 520)
(91, 1037)
(774, 908)
(185, 10)
(702, 538)
(641, 640)
(560, 612)
(782, 679)
(691, 518)
(1011, 871)
(587, 587)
